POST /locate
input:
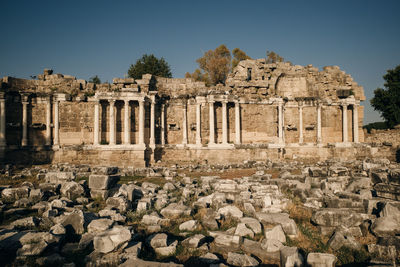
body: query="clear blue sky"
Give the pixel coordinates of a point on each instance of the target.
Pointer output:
(87, 38)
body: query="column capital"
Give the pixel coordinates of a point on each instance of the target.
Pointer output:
(25, 97)
(2, 95)
(111, 101)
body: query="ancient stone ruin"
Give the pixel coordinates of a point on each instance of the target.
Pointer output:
(271, 169)
(264, 111)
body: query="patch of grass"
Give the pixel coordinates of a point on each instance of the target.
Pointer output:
(97, 205)
(227, 223)
(7, 180)
(139, 180)
(347, 255)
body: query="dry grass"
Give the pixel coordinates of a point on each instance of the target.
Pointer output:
(6, 180)
(226, 174)
(139, 180)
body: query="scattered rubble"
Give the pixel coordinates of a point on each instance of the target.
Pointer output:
(287, 214)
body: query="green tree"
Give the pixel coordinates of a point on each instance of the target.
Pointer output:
(387, 100)
(238, 55)
(95, 80)
(273, 57)
(149, 64)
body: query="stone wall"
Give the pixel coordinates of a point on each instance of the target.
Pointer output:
(254, 95)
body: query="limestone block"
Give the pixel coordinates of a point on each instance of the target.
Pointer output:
(102, 182)
(290, 257)
(59, 177)
(237, 259)
(321, 260)
(111, 239)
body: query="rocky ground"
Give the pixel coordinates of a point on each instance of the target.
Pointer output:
(253, 214)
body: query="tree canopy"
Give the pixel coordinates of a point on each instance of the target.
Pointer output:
(273, 57)
(149, 64)
(387, 100)
(95, 80)
(215, 65)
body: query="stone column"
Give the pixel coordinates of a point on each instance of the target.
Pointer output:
(141, 121)
(3, 140)
(355, 123)
(280, 123)
(184, 126)
(25, 103)
(212, 123)
(237, 122)
(224, 123)
(56, 140)
(152, 122)
(127, 123)
(112, 122)
(344, 122)
(198, 123)
(162, 124)
(300, 123)
(48, 121)
(319, 128)
(96, 123)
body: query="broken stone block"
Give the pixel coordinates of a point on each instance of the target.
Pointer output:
(230, 211)
(188, 225)
(10, 195)
(59, 177)
(290, 257)
(72, 190)
(242, 230)
(341, 239)
(193, 241)
(175, 210)
(275, 233)
(102, 182)
(336, 217)
(237, 259)
(252, 223)
(99, 225)
(111, 239)
(321, 260)
(288, 225)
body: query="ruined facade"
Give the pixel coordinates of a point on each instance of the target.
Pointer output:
(263, 111)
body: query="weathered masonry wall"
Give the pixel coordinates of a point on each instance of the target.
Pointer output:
(275, 109)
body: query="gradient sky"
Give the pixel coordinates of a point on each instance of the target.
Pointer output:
(87, 38)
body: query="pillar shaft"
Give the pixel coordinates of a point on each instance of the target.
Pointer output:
(48, 121)
(344, 121)
(198, 124)
(301, 124)
(224, 123)
(56, 140)
(152, 123)
(25, 123)
(355, 123)
(96, 124)
(280, 123)
(212, 124)
(162, 124)
(141, 122)
(127, 123)
(184, 126)
(112, 122)
(319, 128)
(237, 123)
(3, 140)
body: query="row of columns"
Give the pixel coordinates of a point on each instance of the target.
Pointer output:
(25, 104)
(127, 120)
(212, 123)
(319, 135)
